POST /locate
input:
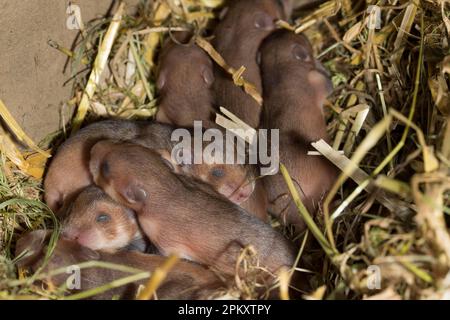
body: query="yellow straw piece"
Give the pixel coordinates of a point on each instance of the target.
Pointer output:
(212, 3)
(99, 65)
(157, 278)
(249, 88)
(13, 154)
(403, 31)
(284, 278)
(318, 294)
(152, 39)
(66, 51)
(17, 130)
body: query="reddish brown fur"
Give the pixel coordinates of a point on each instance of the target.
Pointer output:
(234, 181)
(257, 204)
(294, 92)
(185, 281)
(237, 38)
(184, 81)
(237, 184)
(180, 217)
(98, 222)
(68, 173)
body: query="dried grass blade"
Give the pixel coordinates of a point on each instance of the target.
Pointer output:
(157, 277)
(17, 130)
(249, 88)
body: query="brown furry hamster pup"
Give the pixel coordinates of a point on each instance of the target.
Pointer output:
(184, 82)
(295, 88)
(237, 38)
(68, 172)
(97, 222)
(180, 217)
(185, 281)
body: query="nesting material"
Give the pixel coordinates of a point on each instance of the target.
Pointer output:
(384, 233)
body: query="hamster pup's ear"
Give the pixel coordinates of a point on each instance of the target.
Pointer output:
(207, 76)
(134, 194)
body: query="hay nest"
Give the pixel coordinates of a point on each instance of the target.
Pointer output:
(383, 229)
